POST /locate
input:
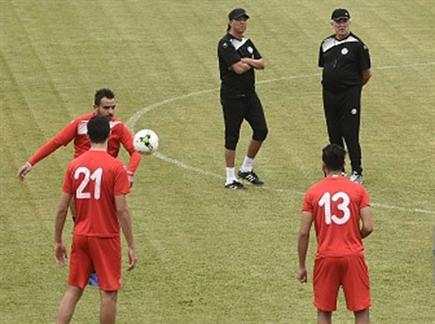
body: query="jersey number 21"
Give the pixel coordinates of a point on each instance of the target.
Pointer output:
(95, 176)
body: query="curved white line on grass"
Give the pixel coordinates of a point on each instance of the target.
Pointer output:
(292, 77)
(214, 175)
(131, 123)
(133, 119)
(186, 166)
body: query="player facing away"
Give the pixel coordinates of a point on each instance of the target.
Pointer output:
(104, 105)
(99, 185)
(340, 211)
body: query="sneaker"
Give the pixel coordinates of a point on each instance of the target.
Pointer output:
(356, 177)
(235, 185)
(251, 177)
(93, 280)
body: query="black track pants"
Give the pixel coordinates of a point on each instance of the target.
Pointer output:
(235, 111)
(343, 113)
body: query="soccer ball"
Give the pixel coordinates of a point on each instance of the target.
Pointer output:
(146, 141)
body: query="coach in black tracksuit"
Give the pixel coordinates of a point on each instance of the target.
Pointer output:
(345, 60)
(238, 58)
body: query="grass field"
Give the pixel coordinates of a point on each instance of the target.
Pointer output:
(208, 255)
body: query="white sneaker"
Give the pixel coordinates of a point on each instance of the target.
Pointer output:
(356, 177)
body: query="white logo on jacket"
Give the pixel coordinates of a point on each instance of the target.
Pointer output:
(82, 128)
(331, 42)
(238, 43)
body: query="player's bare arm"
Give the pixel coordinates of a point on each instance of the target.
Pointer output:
(366, 75)
(23, 171)
(61, 212)
(257, 64)
(240, 67)
(303, 241)
(366, 222)
(126, 226)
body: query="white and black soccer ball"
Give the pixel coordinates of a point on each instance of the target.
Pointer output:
(146, 141)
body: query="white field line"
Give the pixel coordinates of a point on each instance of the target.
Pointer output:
(404, 209)
(131, 123)
(186, 166)
(404, 66)
(214, 175)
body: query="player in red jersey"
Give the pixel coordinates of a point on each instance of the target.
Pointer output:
(99, 184)
(104, 105)
(342, 217)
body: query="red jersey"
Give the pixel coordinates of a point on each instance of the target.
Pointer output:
(335, 203)
(94, 179)
(77, 130)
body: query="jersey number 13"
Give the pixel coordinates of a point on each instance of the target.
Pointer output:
(342, 200)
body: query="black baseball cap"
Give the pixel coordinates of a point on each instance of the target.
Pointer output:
(340, 13)
(237, 13)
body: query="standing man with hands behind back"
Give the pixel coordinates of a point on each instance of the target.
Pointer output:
(345, 60)
(238, 58)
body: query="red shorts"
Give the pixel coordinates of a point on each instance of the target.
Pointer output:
(351, 272)
(95, 254)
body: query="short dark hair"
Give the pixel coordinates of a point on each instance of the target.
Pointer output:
(103, 93)
(98, 129)
(333, 156)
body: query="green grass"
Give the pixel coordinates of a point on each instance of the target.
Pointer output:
(208, 255)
